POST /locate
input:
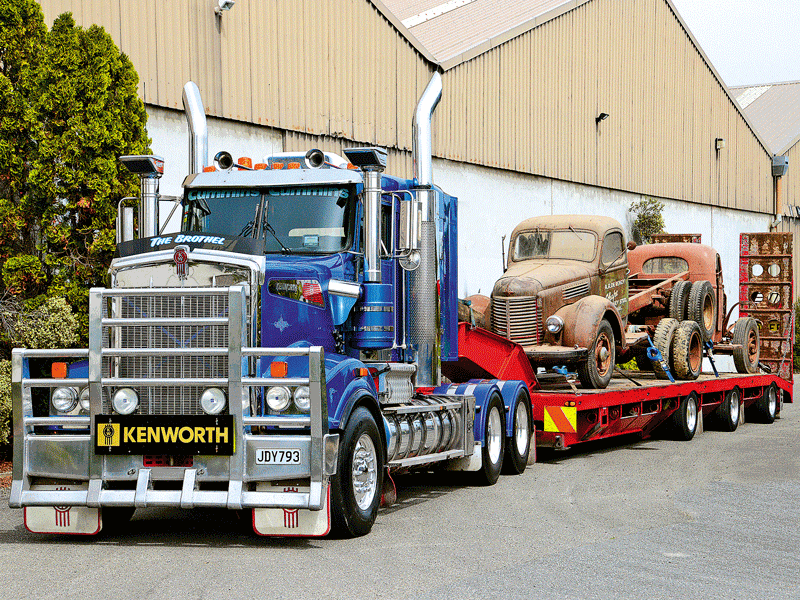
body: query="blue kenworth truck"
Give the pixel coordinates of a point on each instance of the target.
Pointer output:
(280, 354)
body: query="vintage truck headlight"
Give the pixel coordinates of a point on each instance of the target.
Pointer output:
(278, 398)
(64, 399)
(125, 401)
(84, 400)
(554, 324)
(302, 398)
(212, 401)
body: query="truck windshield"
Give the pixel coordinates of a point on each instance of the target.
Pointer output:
(570, 244)
(291, 219)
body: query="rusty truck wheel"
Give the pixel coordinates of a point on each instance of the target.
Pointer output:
(687, 351)
(662, 339)
(596, 372)
(703, 308)
(745, 333)
(679, 300)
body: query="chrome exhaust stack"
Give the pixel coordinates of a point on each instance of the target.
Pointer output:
(149, 168)
(198, 128)
(423, 300)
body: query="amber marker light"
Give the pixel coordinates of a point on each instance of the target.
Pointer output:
(293, 165)
(260, 166)
(245, 161)
(59, 370)
(278, 369)
(210, 169)
(277, 166)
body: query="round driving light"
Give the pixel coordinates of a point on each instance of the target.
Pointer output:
(125, 401)
(554, 324)
(84, 399)
(212, 401)
(278, 398)
(64, 399)
(302, 398)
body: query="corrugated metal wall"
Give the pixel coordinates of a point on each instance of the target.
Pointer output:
(791, 197)
(325, 71)
(332, 68)
(530, 105)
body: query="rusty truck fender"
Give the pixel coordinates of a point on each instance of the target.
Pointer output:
(582, 320)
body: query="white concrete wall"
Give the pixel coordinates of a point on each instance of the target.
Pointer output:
(492, 202)
(170, 135)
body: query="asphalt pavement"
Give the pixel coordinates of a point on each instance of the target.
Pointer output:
(714, 518)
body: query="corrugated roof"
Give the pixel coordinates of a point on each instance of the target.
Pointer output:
(454, 29)
(774, 110)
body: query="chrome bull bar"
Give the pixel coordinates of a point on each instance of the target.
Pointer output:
(69, 454)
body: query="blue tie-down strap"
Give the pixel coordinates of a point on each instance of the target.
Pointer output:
(654, 354)
(709, 348)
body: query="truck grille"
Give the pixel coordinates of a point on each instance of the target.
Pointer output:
(162, 400)
(518, 319)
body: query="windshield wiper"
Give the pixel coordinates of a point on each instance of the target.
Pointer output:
(269, 228)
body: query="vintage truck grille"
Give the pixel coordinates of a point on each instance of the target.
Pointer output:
(166, 399)
(518, 319)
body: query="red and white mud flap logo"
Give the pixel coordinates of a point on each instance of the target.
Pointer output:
(75, 520)
(181, 258)
(292, 522)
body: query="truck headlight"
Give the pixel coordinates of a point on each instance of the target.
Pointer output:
(278, 398)
(302, 398)
(554, 324)
(84, 400)
(64, 399)
(125, 401)
(212, 401)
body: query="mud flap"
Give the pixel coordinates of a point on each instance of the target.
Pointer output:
(73, 520)
(471, 463)
(285, 522)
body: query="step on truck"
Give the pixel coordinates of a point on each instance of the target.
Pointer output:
(294, 344)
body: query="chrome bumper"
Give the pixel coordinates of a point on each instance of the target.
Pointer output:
(123, 480)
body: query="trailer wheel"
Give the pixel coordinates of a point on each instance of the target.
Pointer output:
(728, 411)
(596, 372)
(703, 308)
(494, 443)
(662, 339)
(687, 351)
(684, 419)
(745, 332)
(679, 300)
(518, 446)
(356, 487)
(765, 409)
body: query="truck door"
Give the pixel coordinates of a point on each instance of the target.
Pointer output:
(614, 272)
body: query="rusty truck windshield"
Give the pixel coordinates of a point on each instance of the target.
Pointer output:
(291, 219)
(570, 244)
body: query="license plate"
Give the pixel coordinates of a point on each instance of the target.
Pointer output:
(278, 456)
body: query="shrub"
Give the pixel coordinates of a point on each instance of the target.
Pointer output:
(649, 219)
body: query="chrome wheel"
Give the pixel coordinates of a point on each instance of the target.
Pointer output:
(522, 434)
(691, 414)
(734, 406)
(365, 472)
(494, 435)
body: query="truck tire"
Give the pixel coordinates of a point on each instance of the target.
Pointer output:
(679, 300)
(728, 412)
(116, 518)
(356, 487)
(518, 446)
(684, 419)
(703, 308)
(494, 443)
(596, 372)
(745, 332)
(687, 351)
(662, 339)
(765, 409)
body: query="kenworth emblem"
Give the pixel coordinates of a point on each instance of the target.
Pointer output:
(181, 258)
